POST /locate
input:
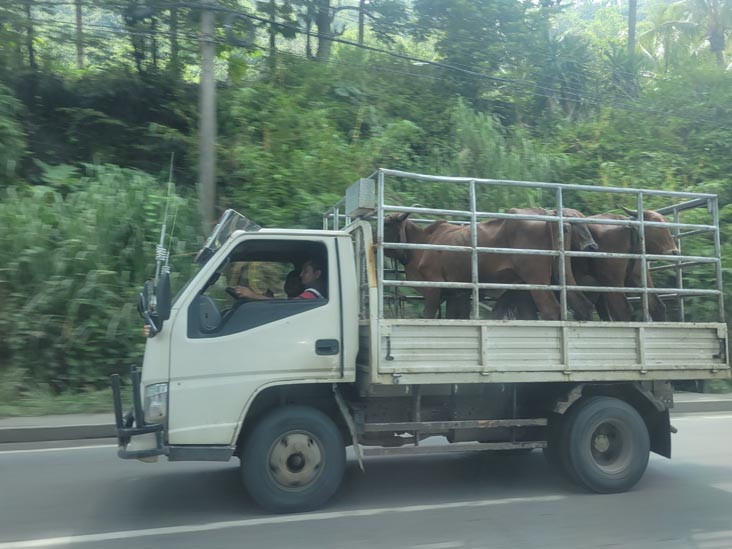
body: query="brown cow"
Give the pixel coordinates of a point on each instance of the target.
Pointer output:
(577, 237)
(624, 272)
(446, 266)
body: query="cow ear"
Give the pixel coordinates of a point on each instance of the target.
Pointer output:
(631, 213)
(402, 216)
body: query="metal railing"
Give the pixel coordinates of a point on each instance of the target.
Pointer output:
(335, 218)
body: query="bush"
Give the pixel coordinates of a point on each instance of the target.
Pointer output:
(72, 261)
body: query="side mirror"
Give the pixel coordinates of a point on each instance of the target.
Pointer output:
(162, 297)
(143, 301)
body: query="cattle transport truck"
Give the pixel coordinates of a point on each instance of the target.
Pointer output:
(286, 385)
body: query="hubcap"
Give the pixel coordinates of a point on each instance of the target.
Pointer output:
(295, 460)
(611, 446)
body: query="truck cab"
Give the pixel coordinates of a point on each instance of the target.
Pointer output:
(224, 350)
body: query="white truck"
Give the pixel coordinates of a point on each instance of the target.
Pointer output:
(286, 385)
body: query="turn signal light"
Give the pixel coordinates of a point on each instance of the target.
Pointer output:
(146, 331)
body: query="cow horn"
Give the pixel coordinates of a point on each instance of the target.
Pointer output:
(631, 213)
(402, 216)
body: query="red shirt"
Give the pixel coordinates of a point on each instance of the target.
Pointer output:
(310, 293)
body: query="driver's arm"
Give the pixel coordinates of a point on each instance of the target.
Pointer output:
(248, 293)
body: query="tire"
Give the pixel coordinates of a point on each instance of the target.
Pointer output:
(606, 445)
(293, 460)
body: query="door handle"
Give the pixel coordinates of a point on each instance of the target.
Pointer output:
(327, 347)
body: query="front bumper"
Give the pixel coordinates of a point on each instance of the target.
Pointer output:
(132, 424)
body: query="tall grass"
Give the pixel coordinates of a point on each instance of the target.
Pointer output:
(71, 262)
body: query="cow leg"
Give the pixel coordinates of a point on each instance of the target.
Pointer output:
(619, 308)
(525, 306)
(539, 272)
(502, 308)
(432, 300)
(517, 305)
(458, 304)
(602, 308)
(577, 301)
(656, 308)
(546, 303)
(596, 299)
(613, 306)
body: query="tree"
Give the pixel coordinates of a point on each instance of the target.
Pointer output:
(483, 36)
(79, 36)
(30, 35)
(632, 19)
(669, 35)
(714, 16)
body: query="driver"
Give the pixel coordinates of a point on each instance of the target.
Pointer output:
(312, 277)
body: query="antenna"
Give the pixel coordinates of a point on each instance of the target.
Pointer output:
(166, 268)
(161, 254)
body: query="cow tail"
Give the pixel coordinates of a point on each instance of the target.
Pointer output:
(554, 239)
(634, 249)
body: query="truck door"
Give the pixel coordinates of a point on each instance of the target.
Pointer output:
(224, 349)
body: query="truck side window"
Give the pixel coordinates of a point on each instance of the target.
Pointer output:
(278, 273)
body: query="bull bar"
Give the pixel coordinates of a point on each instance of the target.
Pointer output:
(132, 423)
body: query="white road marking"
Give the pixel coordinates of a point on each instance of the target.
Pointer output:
(444, 545)
(698, 416)
(280, 519)
(2, 452)
(720, 534)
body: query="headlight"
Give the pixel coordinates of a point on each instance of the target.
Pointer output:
(155, 405)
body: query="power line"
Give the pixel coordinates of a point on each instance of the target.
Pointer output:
(566, 92)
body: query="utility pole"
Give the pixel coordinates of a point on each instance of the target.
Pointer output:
(361, 8)
(79, 37)
(207, 107)
(632, 19)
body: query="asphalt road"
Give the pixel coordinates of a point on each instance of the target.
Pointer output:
(56, 496)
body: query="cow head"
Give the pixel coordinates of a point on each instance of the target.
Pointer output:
(395, 230)
(659, 240)
(582, 240)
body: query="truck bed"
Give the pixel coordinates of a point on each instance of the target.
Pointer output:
(513, 351)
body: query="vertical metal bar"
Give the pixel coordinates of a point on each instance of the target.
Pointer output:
(325, 220)
(417, 410)
(380, 245)
(714, 202)
(513, 414)
(561, 257)
(644, 267)
(116, 394)
(475, 314)
(679, 270)
(136, 398)
(337, 219)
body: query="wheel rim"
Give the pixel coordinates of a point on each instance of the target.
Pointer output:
(611, 446)
(296, 460)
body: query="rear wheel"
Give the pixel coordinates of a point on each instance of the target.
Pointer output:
(293, 460)
(606, 445)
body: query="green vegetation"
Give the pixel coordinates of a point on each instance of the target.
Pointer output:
(91, 108)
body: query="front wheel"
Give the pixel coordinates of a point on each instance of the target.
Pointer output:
(293, 460)
(607, 445)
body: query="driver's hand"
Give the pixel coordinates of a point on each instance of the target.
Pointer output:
(243, 291)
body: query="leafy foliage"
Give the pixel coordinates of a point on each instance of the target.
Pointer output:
(71, 264)
(498, 89)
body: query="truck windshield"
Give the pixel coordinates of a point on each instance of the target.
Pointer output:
(230, 221)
